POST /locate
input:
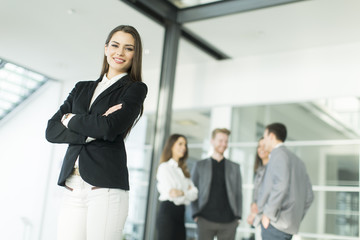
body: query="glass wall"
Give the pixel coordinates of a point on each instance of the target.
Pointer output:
(328, 145)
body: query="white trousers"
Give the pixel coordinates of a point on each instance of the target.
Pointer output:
(91, 214)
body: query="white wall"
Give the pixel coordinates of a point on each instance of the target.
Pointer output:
(308, 74)
(25, 161)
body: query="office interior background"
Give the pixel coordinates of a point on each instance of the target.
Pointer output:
(295, 62)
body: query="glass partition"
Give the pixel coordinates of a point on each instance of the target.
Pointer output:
(328, 145)
(334, 173)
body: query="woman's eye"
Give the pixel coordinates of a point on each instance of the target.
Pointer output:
(129, 49)
(114, 45)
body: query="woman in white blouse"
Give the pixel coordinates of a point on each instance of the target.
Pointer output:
(175, 187)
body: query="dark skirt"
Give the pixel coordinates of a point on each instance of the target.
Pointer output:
(170, 222)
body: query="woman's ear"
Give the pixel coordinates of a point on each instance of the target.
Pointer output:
(105, 50)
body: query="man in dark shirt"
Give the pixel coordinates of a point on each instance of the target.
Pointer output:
(219, 205)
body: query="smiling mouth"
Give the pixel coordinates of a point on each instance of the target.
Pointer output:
(119, 60)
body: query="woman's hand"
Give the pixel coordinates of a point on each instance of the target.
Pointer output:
(254, 208)
(176, 193)
(250, 218)
(113, 109)
(253, 211)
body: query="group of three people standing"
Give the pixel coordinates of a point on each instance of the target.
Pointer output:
(94, 121)
(282, 190)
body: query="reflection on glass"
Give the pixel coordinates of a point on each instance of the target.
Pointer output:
(342, 213)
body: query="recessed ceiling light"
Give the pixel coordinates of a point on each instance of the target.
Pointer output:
(146, 51)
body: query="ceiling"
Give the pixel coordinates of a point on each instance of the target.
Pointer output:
(64, 39)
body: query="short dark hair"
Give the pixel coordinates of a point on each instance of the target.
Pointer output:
(278, 129)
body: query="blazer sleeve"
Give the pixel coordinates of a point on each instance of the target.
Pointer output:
(109, 127)
(239, 193)
(280, 185)
(56, 132)
(309, 194)
(195, 180)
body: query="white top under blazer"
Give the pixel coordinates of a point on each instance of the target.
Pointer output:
(169, 175)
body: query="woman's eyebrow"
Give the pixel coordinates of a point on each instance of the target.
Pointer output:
(125, 44)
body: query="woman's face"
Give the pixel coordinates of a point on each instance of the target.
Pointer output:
(178, 150)
(263, 154)
(119, 53)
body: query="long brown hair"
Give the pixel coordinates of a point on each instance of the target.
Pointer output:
(258, 160)
(135, 70)
(167, 153)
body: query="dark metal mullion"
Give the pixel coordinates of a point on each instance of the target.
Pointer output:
(203, 45)
(144, 6)
(162, 119)
(158, 10)
(223, 8)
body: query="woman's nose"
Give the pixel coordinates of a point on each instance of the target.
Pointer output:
(120, 52)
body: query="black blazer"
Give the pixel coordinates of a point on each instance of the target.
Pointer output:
(102, 162)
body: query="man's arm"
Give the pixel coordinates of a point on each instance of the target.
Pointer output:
(309, 194)
(239, 193)
(279, 169)
(195, 180)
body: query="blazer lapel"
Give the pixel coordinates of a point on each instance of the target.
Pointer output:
(228, 173)
(120, 83)
(208, 170)
(91, 92)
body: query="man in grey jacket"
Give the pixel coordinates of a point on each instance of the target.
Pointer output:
(218, 208)
(285, 193)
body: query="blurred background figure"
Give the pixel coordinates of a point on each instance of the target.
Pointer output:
(218, 210)
(285, 194)
(175, 187)
(261, 159)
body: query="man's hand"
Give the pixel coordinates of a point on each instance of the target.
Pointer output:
(265, 221)
(113, 109)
